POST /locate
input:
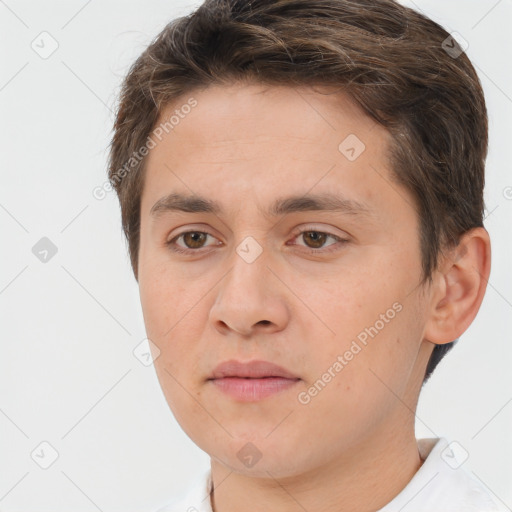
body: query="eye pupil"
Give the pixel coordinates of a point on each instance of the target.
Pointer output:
(317, 239)
(194, 239)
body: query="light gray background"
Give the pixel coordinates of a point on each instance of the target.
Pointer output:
(68, 375)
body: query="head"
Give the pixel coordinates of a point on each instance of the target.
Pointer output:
(298, 182)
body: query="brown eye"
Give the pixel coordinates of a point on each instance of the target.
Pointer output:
(318, 242)
(192, 242)
(194, 239)
(314, 239)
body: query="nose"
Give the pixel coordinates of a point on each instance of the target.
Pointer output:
(250, 300)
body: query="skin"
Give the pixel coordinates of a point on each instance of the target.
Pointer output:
(352, 447)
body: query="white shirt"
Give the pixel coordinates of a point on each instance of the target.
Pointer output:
(440, 485)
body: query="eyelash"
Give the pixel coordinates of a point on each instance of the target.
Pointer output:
(175, 248)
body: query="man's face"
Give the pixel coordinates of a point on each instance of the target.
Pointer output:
(330, 295)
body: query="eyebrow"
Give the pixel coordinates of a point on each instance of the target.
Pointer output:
(282, 206)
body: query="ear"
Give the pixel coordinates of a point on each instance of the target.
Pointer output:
(458, 287)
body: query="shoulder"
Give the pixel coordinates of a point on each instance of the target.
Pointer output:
(195, 498)
(443, 483)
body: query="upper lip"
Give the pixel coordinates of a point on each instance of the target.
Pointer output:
(251, 369)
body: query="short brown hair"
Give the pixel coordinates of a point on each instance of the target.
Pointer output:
(393, 61)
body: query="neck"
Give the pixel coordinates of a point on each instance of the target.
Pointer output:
(365, 479)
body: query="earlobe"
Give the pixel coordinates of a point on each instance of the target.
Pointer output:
(459, 287)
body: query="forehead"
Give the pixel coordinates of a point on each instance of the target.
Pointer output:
(268, 112)
(246, 142)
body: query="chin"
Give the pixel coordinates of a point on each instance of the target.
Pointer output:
(261, 457)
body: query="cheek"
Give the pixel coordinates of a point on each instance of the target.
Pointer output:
(351, 306)
(175, 316)
(374, 326)
(156, 307)
(355, 384)
(162, 312)
(173, 325)
(165, 298)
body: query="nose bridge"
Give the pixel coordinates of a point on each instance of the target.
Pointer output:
(249, 272)
(248, 295)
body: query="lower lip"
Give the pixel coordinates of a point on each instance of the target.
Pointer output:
(252, 390)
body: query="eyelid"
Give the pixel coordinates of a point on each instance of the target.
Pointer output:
(191, 228)
(173, 241)
(295, 234)
(320, 229)
(339, 240)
